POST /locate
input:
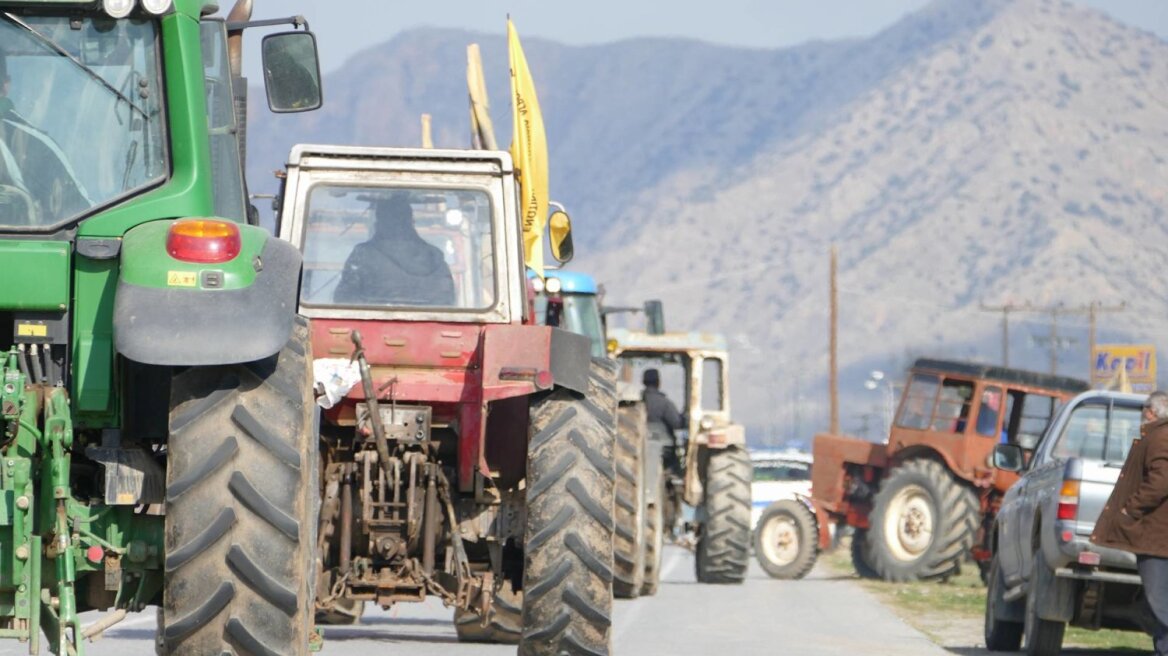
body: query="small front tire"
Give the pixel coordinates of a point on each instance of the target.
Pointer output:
(785, 541)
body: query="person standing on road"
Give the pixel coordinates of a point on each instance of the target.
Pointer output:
(663, 418)
(1135, 518)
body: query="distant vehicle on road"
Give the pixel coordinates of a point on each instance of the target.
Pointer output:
(782, 513)
(1044, 572)
(778, 475)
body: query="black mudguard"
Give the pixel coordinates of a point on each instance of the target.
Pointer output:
(571, 360)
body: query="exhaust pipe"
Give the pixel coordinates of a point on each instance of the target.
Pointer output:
(240, 13)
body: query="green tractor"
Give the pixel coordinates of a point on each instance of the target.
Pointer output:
(156, 401)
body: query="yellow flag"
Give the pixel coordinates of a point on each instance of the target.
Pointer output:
(529, 150)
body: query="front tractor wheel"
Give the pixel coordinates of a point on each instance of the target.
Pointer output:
(568, 552)
(240, 496)
(923, 523)
(723, 549)
(786, 541)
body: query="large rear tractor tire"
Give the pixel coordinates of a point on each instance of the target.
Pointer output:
(628, 505)
(241, 504)
(654, 515)
(723, 549)
(923, 523)
(567, 573)
(786, 542)
(504, 623)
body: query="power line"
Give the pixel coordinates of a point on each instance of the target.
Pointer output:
(1005, 310)
(1054, 342)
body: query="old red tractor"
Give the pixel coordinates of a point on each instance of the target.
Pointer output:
(918, 504)
(474, 459)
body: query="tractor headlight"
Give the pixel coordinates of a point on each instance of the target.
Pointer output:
(157, 7)
(553, 285)
(537, 285)
(118, 8)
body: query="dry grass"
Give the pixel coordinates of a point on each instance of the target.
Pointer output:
(951, 613)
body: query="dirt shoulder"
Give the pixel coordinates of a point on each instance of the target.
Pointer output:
(951, 613)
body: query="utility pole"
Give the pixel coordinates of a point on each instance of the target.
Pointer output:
(1005, 310)
(833, 375)
(1093, 311)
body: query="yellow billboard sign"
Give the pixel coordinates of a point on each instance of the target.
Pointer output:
(1135, 362)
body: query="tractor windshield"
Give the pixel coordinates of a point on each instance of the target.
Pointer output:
(580, 314)
(80, 116)
(398, 247)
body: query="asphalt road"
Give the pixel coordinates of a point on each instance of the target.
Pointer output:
(819, 615)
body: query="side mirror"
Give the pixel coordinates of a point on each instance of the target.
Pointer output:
(654, 317)
(560, 236)
(292, 72)
(1009, 457)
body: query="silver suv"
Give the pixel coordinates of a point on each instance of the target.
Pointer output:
(1045, 572)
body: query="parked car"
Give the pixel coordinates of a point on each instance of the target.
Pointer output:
(1044, 571)
(778, 475)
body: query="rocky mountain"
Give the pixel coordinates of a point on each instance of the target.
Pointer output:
(975, 152)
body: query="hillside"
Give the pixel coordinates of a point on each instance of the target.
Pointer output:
(974, 152)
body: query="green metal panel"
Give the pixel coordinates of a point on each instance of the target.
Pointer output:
(146, 263)
(36, 275)
(93, 340)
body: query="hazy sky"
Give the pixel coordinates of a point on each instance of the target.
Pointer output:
(747, 23)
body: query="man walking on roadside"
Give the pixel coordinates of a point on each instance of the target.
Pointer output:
(1135, 518)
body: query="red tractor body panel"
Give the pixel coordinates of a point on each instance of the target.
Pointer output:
(455, 368)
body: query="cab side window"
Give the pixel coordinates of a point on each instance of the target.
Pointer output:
(919, 398)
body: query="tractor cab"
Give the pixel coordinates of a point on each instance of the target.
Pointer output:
(970, 408)
(695, 371)
(406, 237)
(570, 300)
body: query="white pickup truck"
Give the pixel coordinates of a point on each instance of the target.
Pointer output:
(1045, 573)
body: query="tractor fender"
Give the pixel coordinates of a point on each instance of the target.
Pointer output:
(570, 359)
(924, 451)
(539, 357)
(824, 528)
(174, 313)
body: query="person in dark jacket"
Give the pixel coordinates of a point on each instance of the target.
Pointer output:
(663, 418)
(396, 266)
(1135, 517)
